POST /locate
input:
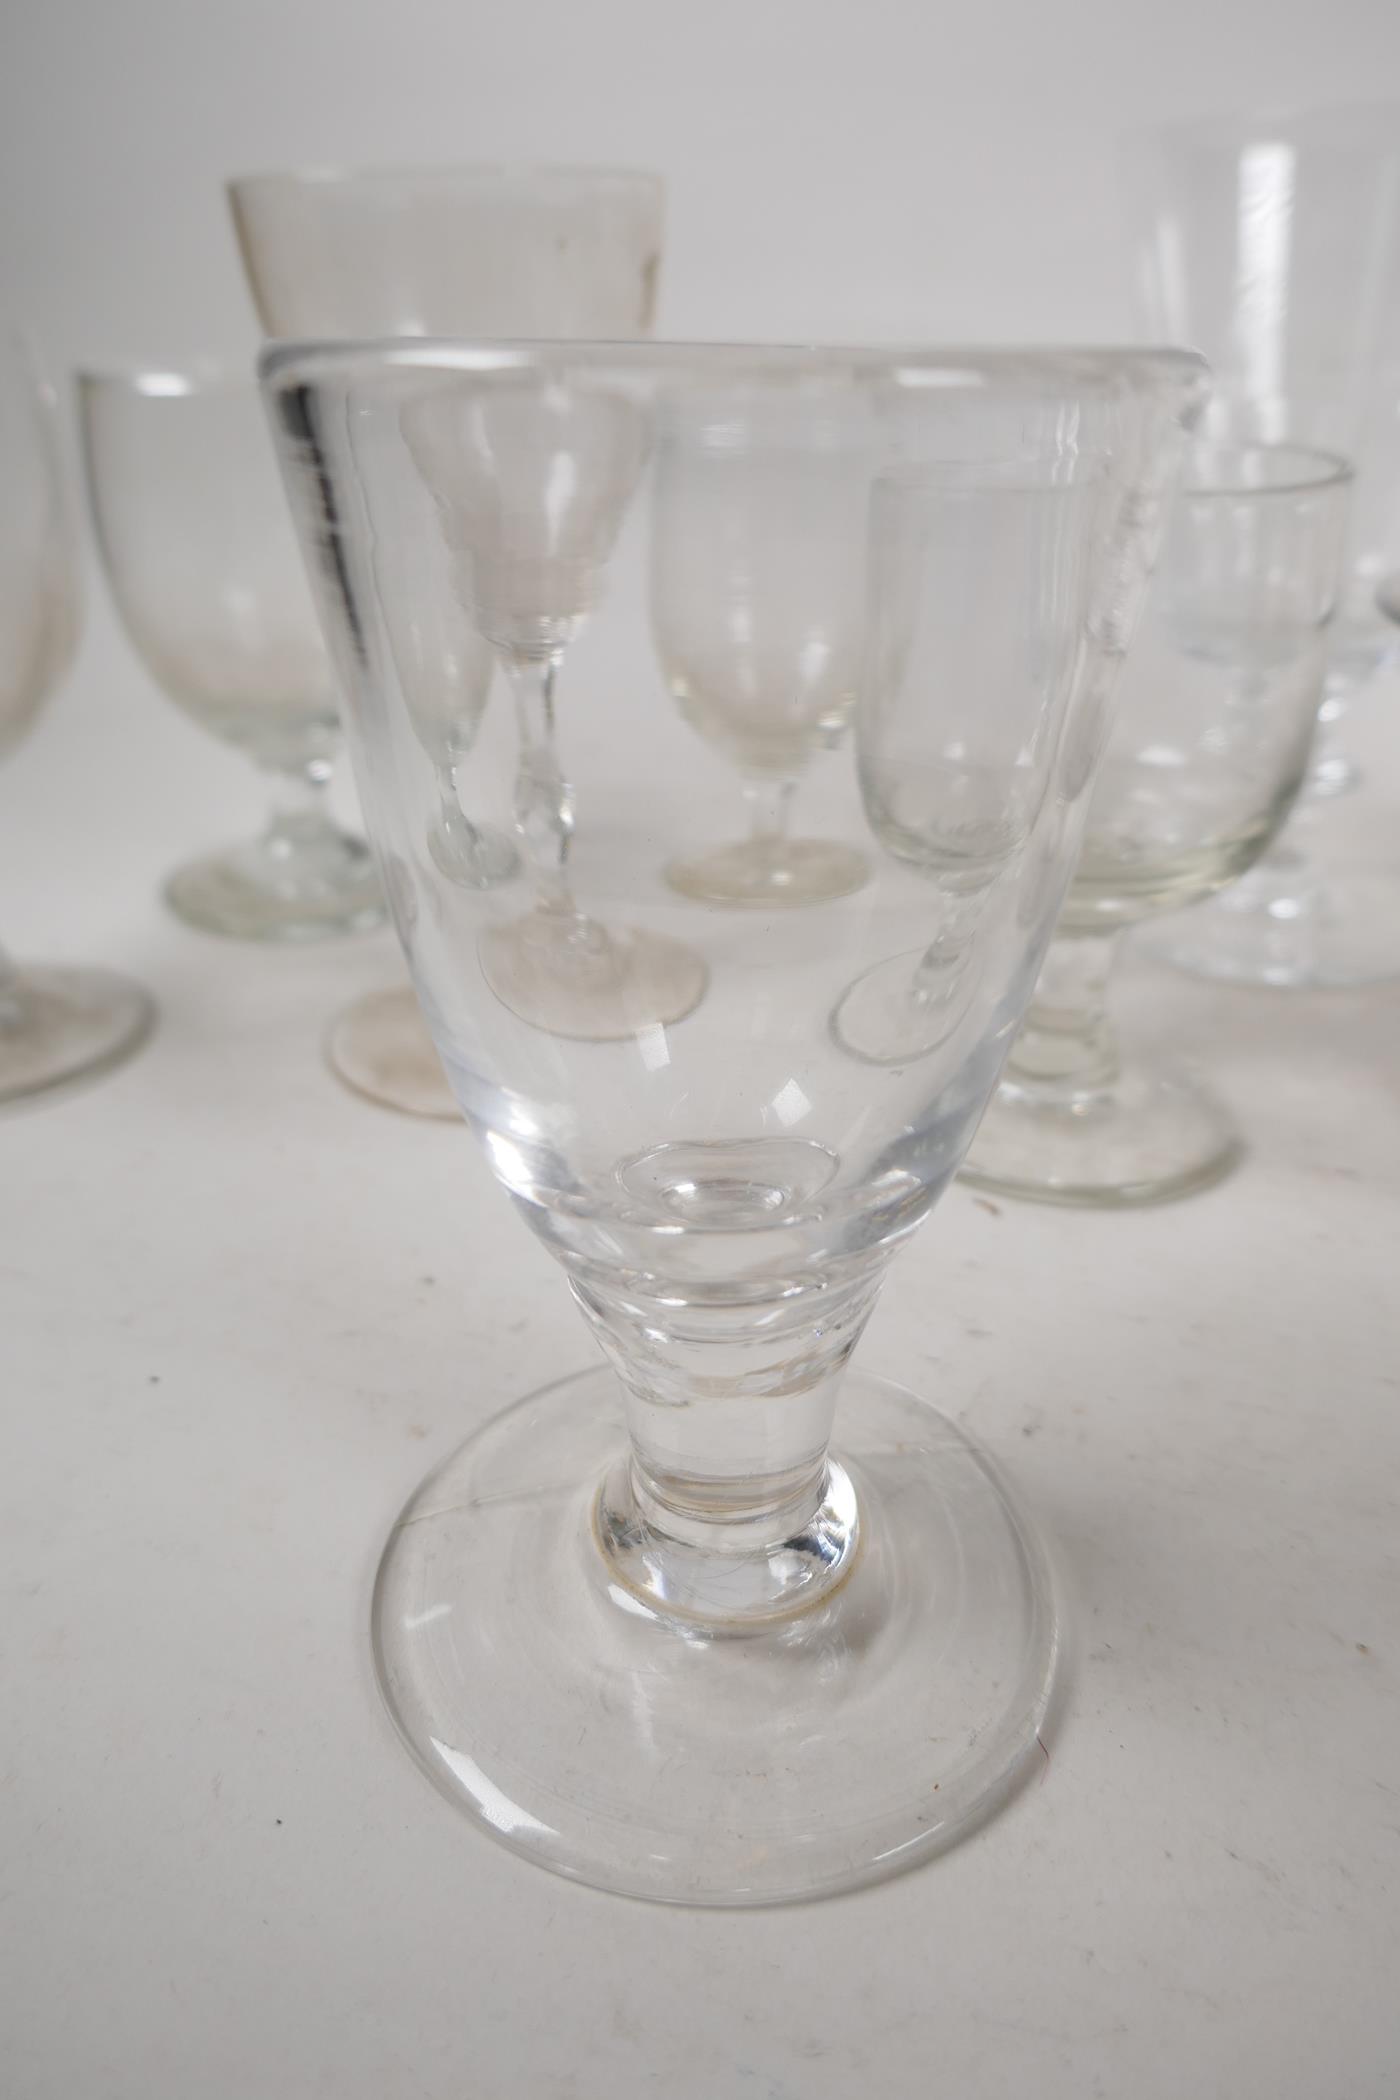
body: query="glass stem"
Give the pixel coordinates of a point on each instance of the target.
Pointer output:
(299, 813)
(1067, 1043)
(544, 799)
(770, 811)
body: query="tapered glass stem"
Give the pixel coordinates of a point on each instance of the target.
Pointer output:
(544, 799)
(300, 813)
(1067, 1041)
(770, 809)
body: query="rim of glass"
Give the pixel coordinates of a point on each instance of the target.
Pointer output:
(292, 363)
(171, 381)
(1308, 471)
(1253, 121)
(483, 174)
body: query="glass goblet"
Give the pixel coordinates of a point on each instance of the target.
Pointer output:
(1270, 239)
(474, 250)
(1217, 708)
(756, 609)
(643, 1627)
(204, 569)
(56, 1023)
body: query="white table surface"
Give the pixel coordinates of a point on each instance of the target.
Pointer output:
(242, 1313)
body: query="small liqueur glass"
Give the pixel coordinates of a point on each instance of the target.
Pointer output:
(1217, 710)
(200, 557)
(57, 1023)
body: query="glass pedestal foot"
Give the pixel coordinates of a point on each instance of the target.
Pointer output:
(1145, 1137)
(263, 892)
(61, 1025)
(762, 873)
(380, 1047)
(726, 1764)
(571, 977)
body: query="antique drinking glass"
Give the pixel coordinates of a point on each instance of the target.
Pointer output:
(642, 1627)
(1272, 242)
(56, 1024)
(477, 251)
(1217, 707)
(756, 604)
(203, 566)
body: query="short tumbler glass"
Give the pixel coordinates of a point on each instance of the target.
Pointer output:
(1217, 710)
(204, 568)
(642, 1626)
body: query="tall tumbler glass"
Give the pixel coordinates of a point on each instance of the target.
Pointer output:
(478, 251)
(1272, 242)
(56, 1023)
(646, 1626)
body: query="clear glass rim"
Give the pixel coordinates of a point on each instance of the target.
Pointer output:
(485, 176)
(287, 364)
(1302, 470)
(176, 380)
(1306, 122)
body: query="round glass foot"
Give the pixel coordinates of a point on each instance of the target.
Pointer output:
(761, 873)
(59, 1025)
(574, 978)
(381, 1048)
(1296, 935)
(1149, 1136)
(573, 1721)
(266, 892)
(894, 1012)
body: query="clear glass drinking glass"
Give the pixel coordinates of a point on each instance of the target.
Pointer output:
(56, 1024)
(757, 608)
(642, 1626)
(1272, 241)
(1216, 714)
(453, 251)
(200, 556)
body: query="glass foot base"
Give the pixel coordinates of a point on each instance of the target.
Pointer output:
(625, 981)
(1339, 933)
(887, 1017)
(1149, 1137)
(252, 894)
(761, 873)
(57, 1026)
(563, 1715)
(380, 1047)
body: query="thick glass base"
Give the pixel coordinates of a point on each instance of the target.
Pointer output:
(273, 890)
(571, 977)
(761, 873)
(1145, 1137)
(896, 1012)
(1284, 927)
(58, 1026)
(548, 1697)
(381, 1048)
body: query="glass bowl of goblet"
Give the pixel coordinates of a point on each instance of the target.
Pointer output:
(202, 563)
(56, 1023)
(648, 1626)
(446, 251)
(1214, 729)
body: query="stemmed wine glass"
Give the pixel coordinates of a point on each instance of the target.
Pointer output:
(201, 561)
(1217, 710)
(56, 1024)
(1272, 241)
(481, 251)
(757, 608)
(643, 1626)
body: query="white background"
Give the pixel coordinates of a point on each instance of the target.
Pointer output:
(241, 1313)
